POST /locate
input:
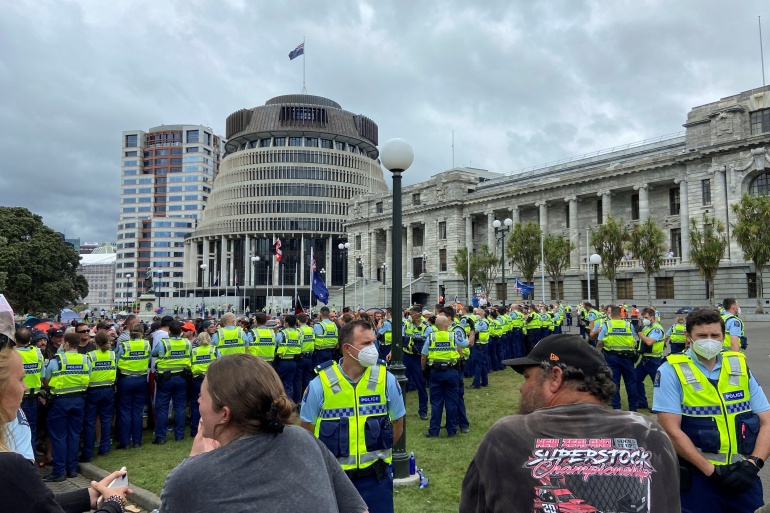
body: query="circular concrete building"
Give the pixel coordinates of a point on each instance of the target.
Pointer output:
(290, 170)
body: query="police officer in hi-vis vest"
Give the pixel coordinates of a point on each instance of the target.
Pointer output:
(172, 373)
(325, 337)
(200, 358)
(32, 359)
(385, 334)
(100, 397)
(617, 342)
(717, 417)
(305, 374)
(287, 355)
(356, 409)
(263, 338)
(651, 344)
(676, 335)
(229, 338)
(133, 360)
(68, 374)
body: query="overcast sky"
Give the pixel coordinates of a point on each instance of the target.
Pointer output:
(520, 82)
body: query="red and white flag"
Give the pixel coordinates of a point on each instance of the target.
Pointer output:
(278, 252)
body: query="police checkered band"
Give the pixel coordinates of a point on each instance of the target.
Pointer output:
(337, 413)
(702, 410)
(375, 409)
(738, 407)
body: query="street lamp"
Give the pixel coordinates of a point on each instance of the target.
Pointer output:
(203, 289)
(128, 285)
(385, 282)
(343, 247)
(254, 262)
(595, 260)
(397, 155)
(503, 231)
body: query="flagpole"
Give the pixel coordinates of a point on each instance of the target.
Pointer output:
(296, 271)
(304, 89)
(310, 292)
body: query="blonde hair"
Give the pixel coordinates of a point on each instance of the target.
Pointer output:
(6, 354)
(680, 319)
(204, 339)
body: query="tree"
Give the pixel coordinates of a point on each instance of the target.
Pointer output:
(752, 234)
(41, 270)
(556, 251)
(523, 249)
(707, 247)
(645, 241)
(486, 265)
(608, 240)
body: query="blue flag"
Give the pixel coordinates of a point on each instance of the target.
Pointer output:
(300, 50)
(320, 290)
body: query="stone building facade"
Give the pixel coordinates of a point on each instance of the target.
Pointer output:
(722, 154)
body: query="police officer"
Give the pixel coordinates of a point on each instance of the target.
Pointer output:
(385, 334)
(100, 397)
(517, 324)
(68, 374)
(440, 356)
(590, 318)
(289, 349)
(201, 357)
(676, 335)
(325, 337)
(32, 359)
(305, 372)
(495, 340)
(468, 324)
(356, 409)
(133, 362)
(616, 341)
(652, 344)
(263, 338)
(229, 338)
(479, 351)
(172, 372)
(533, 328)
(464, 352)
(735, 339)
(414, 338)
(717, 417)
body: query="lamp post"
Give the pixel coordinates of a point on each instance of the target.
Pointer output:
(128, 285)
(254, 262)
(595, 261)
(409, 277)
(343, 247)
(203, 288)
(363, 288)
(397, 155)
(385, 282)
(503, 232)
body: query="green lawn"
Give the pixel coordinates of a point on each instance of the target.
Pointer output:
(444, 460)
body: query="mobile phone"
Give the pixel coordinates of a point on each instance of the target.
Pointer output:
(116, 483)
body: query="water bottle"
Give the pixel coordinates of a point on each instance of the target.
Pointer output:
(412, 464)
(423, 479)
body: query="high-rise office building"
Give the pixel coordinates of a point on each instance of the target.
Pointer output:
(166, 178)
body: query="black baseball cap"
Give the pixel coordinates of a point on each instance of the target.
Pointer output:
(562, 348)
(57, 333)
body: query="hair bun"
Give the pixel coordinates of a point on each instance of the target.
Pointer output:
(274, 423)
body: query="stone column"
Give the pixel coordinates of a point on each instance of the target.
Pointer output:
(684, 219)
(644, 201)
(719, 199)
(515, 215)
(408, 258)
(222, 262)
(205, 274)
(301, 277)
(490, 231)
(468, 232)
(606, 196)
(388, 250)
(247, 266)
(574, 257)
(543, 216)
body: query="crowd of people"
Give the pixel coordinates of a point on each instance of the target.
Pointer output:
(246, 382)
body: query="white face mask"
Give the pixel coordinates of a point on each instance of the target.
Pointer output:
(706, 347)
(739, 311)
(367, 356)
(646, 322)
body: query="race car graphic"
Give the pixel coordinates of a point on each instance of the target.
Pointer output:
(553, 496)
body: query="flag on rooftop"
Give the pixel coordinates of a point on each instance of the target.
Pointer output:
(300, 50)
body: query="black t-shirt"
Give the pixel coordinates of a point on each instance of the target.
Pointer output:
(579, 457)
(87, 348)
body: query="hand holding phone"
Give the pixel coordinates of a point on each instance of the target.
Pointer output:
(120, 481)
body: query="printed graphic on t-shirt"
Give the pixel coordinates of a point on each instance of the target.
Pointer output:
(588, 475)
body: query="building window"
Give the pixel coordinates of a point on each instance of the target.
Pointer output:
(379, 207)
(560, 291)
(599, 219)
(130, 154)
(760, 121)
(566, 213)
(417, 236)
(279, 141)
(751, 285)
(625, 288)
(311, 141)
(264, 143)
(673, 201)
(705, 187)
(358, 242)
(760, 185)
(676, 242)
(442, 230)
(442, 260)
(584, 289)
(634, 207)
(339, 145)
(327, 144)
(664, 288)
(295, 141)
(192, 136)
(131, 141)
(416, 198)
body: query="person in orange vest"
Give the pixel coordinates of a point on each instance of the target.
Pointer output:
(635, 316)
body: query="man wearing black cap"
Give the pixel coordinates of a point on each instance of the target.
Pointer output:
(566, 450)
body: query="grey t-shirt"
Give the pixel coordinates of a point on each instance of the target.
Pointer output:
(291, 471)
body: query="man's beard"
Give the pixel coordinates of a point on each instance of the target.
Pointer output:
(531, 401)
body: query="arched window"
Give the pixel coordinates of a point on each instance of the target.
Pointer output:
(760, 185)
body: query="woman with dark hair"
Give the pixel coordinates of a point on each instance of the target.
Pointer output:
(246, 431)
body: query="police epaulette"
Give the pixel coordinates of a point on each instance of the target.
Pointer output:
(324, 365)
(382, 362)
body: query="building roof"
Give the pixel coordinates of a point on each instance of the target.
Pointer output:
(98, 259)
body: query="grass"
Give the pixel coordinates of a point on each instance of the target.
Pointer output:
(444, 460)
